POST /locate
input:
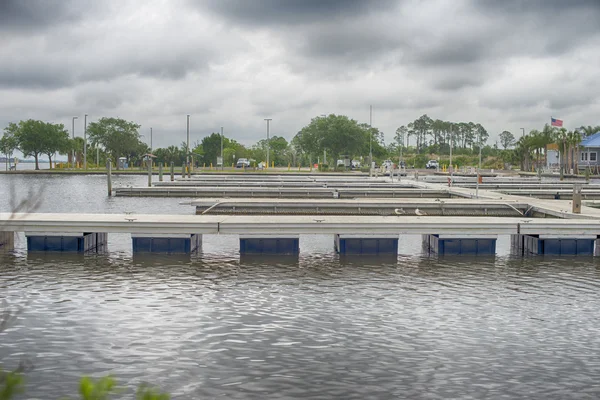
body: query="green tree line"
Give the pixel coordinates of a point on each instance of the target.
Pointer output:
(332, 136)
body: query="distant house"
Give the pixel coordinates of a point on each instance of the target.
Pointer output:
(589, 150)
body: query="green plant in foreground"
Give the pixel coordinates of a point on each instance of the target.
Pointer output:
(11, 383)
(145, 392)
(97, 390)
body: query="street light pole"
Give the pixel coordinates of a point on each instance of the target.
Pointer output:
(187, 147)
(268, 144)
(371, 135)
(451, 142)
(478, 169)
(73, 135)
(222, 160)
(85, 141)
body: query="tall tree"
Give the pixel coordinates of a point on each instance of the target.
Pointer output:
(31, 138)
(56, 140)
(589, 130)
(507, 139)
(337, 134)
(8, 144)
(118, 137)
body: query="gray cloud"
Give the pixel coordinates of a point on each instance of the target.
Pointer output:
(505, 64)
(279, 12)
(27, 16)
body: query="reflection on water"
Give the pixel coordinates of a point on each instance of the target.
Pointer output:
(316, 326)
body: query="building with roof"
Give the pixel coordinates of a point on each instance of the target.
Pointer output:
(589, 148)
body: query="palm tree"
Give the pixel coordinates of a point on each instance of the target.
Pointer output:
(547, 137)
(573, 140)
(589, 130)
(560, 136)
(523, 150)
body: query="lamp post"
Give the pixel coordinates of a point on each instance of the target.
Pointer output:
(370, 139)
(268, 144)
(187, 146)
(478, 169)
(85, 141)
(73, 136)
(222, 160)
(451, 142)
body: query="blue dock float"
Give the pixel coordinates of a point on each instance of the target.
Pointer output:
(267, 245)
(366, 245)
(554, 245)
(65, 242)
(168, 243)
(484, 245)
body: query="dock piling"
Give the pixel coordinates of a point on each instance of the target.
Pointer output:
(109, 176)
(149, 172)
(160, 172)
(172, 171)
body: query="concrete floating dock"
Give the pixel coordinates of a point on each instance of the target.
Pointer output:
(447, 207)
(181, 233)
(283, 192)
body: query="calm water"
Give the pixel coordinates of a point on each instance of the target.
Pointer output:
(214, 326)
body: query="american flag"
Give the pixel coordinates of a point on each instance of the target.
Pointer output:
(556, 122)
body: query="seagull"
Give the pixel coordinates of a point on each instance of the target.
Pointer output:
(419, 212)
(399, 211)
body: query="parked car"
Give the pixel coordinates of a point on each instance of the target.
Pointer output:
(242, 163)
(432, 164)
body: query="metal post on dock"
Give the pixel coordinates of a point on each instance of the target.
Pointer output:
(160, 172)
(172, 171)
(183, 170)
(189, 170)
(109, 176)
(149, 172)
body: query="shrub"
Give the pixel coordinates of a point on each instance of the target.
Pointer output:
(323, 167)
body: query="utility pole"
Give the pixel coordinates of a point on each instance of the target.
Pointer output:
(150, 140)
(478, 169)
(268, 144)
(85, 141)
(187, 149)
(370, 137)
(451, 142)
(73, 135)
(222, 160)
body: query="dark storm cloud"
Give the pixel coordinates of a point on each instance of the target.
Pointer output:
(550, 8)
(38, 15)
(274, 12)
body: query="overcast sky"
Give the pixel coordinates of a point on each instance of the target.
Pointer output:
(505, 64)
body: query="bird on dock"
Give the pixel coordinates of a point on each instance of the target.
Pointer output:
(420, 213)
(399, 211)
